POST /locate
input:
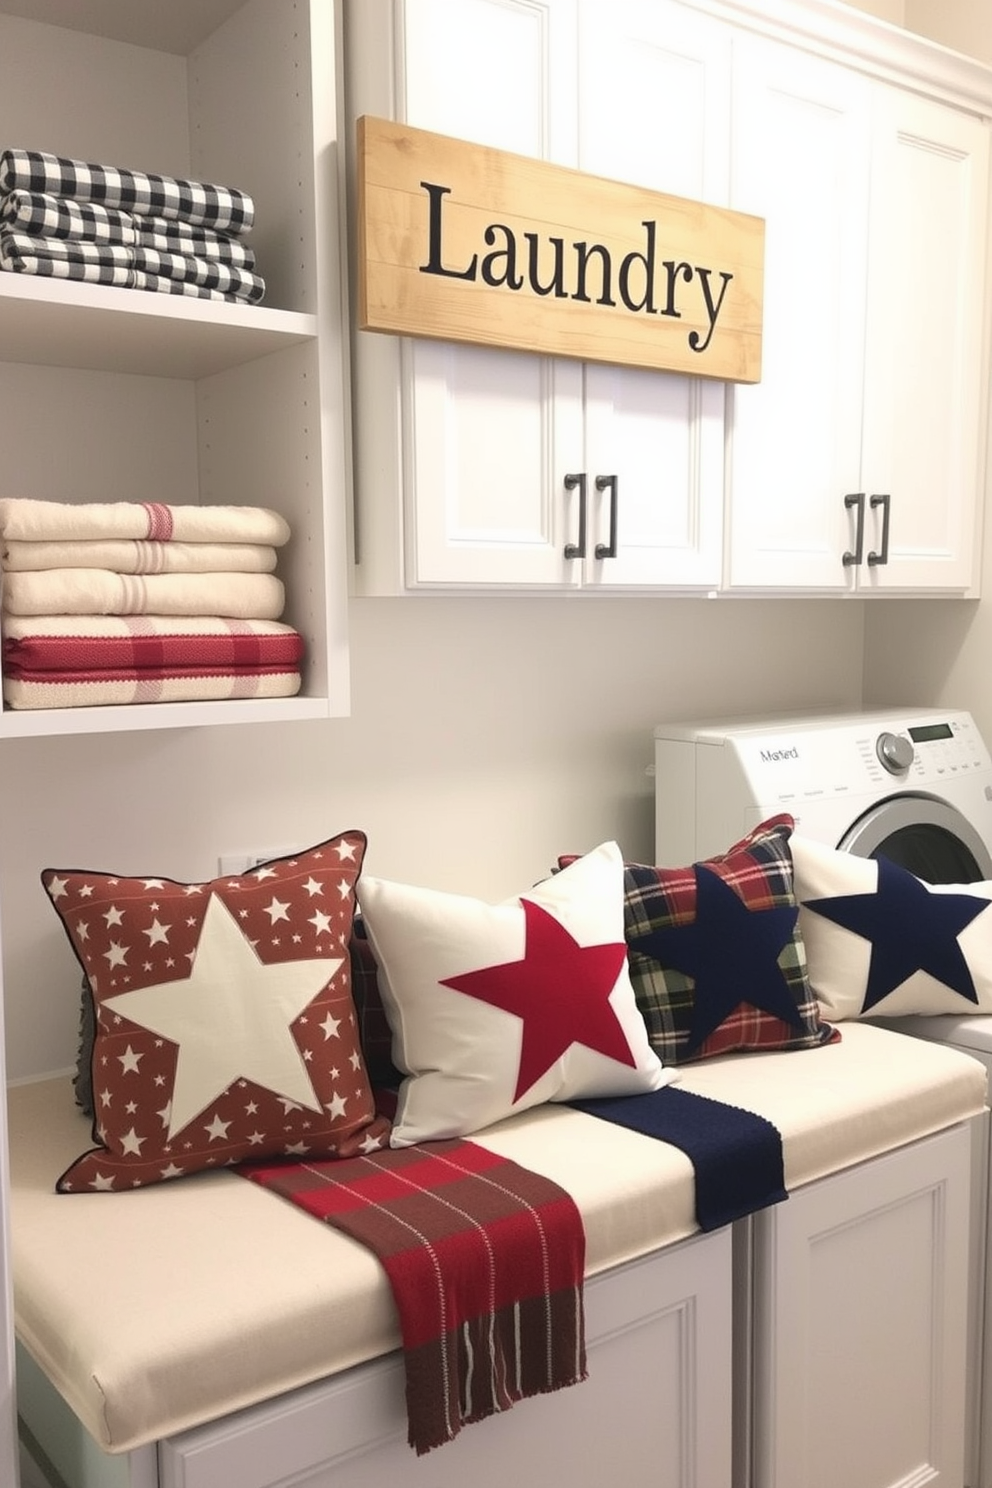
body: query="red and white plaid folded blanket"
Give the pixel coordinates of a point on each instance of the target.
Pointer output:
(486, 1261)
(82, 643)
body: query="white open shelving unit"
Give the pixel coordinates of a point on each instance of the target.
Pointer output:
(114, 394)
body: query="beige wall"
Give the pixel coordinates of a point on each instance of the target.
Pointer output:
(487, 736)
(964, 25)
(886, 10)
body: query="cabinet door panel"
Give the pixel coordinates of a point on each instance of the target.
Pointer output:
(654, 97)
(492, 435)
(499, 72)
(661, 437)
(860, 1322)
(801, 130)
(654, 110)
(924, 339)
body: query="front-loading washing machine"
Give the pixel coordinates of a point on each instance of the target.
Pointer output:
(913, 785)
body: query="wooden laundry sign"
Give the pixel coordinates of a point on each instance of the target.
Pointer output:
(465, 243)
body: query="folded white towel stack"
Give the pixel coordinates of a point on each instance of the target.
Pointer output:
(118, 602)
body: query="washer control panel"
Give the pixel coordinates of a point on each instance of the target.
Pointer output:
(802, 758)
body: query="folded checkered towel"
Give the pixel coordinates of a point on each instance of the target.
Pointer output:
(42, 215)
(24, 518)
(97, 591)
(116, 278)
(148, 685)
(224, 208)
(60, 643)
(18, 252)
(123, 555)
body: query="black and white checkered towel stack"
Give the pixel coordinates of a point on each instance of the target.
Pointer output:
(67, 219)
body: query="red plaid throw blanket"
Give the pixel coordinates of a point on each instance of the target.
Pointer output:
(486, 1262)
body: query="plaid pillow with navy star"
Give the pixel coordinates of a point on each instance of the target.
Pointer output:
(882, 943)
(715, 952)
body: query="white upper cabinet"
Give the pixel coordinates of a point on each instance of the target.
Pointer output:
(800, 161)
(856, 465)
(460, 453)
(513, 470)
(654, 98)
(922, 458)
(120, 394)
(857, 462)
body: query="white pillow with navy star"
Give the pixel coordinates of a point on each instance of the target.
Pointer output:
(881, 942)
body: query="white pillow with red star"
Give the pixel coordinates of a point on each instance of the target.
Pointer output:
(499, 1007)
(225, 1027)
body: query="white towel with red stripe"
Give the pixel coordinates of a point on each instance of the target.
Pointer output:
(149, 685)
(97, 591)
(133, 556)
(25, 519)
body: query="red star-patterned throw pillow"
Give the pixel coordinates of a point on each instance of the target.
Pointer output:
(498, 1007)
(881, 942)
(225, 1027)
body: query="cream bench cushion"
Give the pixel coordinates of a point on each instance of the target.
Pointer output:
(160, 1309)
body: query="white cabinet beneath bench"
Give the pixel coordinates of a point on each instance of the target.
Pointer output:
(849, 1311)
(860, 1318)
(821, 1342)
(655, 1409)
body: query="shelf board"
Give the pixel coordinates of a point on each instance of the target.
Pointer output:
(25, 723)
(100, 328)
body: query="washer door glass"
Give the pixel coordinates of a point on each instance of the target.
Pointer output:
(923, 834)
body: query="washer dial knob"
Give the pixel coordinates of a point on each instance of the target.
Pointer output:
(895, 752)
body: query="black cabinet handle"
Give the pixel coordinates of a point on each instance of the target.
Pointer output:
(610, 483)
(578, 550)
(876, 559)
(853, 559)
